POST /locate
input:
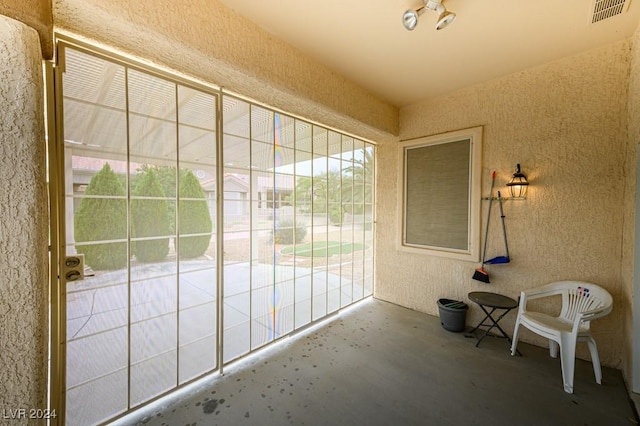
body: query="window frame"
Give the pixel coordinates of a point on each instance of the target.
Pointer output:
(472, 252)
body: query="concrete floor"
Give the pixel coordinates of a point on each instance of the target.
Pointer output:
(381, 364)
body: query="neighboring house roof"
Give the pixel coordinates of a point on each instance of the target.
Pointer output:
(85, 167)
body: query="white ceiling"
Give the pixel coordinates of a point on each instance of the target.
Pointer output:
(366, 42)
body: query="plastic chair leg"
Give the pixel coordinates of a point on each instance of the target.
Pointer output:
(514, 339)
(595, 359)
(567, 360)
(553, 348)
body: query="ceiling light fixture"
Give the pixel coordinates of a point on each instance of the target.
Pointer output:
(410, 17)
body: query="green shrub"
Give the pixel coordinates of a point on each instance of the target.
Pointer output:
(336, 216)
(150, 218)
(286, 231)
(194, 217)
(102, 219)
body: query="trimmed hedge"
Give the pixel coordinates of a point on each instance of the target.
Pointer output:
(102, 219)
(150, 218)
(193, 217)
(286, 231)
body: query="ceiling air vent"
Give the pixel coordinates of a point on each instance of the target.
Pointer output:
(604, 9)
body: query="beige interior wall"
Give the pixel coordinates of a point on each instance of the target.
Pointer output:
(209, 41)
(630, 238)
(565, 122)
(23, 224)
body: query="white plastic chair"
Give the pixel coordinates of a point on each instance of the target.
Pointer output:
(581, 303)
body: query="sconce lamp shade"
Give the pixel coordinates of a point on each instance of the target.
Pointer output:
(518, 184)
(445, 19)
(410, 18)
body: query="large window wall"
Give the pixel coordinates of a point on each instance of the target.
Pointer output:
(143, 191)
(298, 224)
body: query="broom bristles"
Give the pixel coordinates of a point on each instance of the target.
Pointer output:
(481, 275)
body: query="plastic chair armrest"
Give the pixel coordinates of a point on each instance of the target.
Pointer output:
(536, 293)
(544, 291)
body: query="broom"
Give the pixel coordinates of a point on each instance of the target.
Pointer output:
(480, 274)
(501, 259)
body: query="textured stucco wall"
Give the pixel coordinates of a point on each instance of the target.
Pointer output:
(565, 122)
(36, 14)
(23, 221)
(630, 218)
(207, 40)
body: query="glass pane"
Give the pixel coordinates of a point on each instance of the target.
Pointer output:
(153, 148)
(320, 140)
(154, 343)
(368, 259)
(264, 200)
(95, 176)
(303, 136)
(104, 392)
(261, 316)
(262, 287)
(369, 167)
(284, 159)
(262, 156)
(347, 148)
(285, 130)
(301, 261)
(197, 319)
(357, 174)
(236, 153)
(262, 125)
(346, 234)
(334, 146)
(196, 233)
(358, 260)
(334, 217)
(286, 234)
(235, 117)
(237, 305)
(304, 164)
(319, 249)
(237, 228)
(150, 96)
(334, 244)
(283, 305)
(320, 166)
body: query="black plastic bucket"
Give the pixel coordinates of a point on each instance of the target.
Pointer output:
(453, 314)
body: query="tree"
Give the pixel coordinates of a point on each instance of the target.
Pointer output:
(193, 217)
(167, 177)
(150, 218)
(317, 192)
(358, 188)
(103, 219)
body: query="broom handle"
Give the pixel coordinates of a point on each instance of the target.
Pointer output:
(504, 228)
(486, 230)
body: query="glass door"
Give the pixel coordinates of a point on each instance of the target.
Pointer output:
(139, 190)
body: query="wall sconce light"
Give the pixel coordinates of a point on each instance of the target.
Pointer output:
(518, 184)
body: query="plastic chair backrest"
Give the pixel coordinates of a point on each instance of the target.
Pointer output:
(579, 297)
